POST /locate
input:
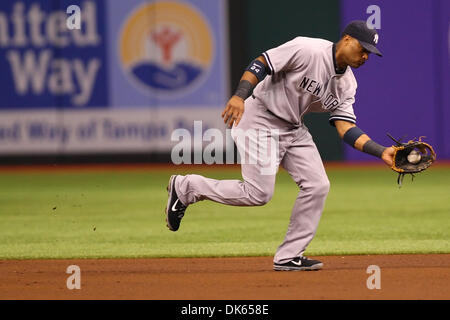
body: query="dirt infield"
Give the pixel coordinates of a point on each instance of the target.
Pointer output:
(130, 167)
(343, 277)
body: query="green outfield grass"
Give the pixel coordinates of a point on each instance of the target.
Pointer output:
(120, 214)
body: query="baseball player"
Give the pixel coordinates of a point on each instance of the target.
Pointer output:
(275, 92)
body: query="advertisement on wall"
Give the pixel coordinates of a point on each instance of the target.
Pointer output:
(122, 82)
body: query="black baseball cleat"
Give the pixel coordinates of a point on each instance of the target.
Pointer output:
(174, 209)
(299, 264)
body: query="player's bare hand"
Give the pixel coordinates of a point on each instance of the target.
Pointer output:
(233, 111)
(388, 156)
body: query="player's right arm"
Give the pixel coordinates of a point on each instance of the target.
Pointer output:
(234, 109)
(352, 135)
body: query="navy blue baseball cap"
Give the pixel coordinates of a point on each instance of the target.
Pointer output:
(367, 37)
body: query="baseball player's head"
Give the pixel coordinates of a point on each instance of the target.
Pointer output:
(357, 42)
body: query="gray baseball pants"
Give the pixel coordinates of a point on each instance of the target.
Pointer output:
(294, 150)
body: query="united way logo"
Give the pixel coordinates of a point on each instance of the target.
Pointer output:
(166, 48)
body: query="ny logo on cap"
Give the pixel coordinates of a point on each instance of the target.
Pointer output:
(375, 39)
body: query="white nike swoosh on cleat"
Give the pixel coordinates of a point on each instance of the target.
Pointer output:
(174, 207)
(297, 263)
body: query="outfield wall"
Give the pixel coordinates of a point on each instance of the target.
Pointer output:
(407, 91)
(137, 70)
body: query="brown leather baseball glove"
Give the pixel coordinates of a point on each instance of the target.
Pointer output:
(411, 157)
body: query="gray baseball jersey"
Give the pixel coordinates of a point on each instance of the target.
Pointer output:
(304, 78)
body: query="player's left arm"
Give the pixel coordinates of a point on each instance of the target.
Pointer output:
(355, 137)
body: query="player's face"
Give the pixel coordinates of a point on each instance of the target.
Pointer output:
(354, 54)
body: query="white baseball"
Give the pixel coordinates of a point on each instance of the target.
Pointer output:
(414, 157)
